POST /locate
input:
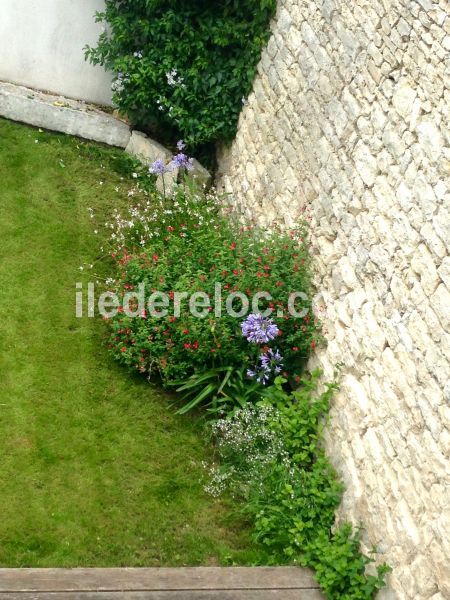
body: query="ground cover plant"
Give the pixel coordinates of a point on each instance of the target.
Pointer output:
(95, 469)
(271, 456)
(183, 68)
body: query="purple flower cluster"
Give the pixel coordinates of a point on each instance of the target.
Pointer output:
(159, 167)
(179, 161)
(272, 361)
(270, 364)
(258, 329)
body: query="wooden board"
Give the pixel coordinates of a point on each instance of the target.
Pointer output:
(179, 595)
(185, 583)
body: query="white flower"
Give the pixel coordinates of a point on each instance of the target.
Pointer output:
(173, 79)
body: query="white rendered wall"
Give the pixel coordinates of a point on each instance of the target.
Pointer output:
(41, 46)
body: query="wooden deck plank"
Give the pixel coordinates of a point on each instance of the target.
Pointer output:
(155, 579)
(170, 595)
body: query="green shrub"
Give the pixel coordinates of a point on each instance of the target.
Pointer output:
(183, 66)
(271, 457)
(186, 244)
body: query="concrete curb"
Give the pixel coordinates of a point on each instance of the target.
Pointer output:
(57, 113)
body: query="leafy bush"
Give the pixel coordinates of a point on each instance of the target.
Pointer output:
(186, 244)
(182, 65)
(272, 458)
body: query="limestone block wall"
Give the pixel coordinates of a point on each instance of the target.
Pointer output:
(349, 118)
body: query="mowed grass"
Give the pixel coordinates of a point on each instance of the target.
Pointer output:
(95, 468)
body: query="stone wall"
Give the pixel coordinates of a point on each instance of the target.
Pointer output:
(349, 117)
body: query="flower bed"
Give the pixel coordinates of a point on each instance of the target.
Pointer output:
(243, 359)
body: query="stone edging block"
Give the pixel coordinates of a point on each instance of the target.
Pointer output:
(56, 113)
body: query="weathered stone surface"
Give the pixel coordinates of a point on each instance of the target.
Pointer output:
(356, 133)
(61, 114)
(200, 175)
(146, 149)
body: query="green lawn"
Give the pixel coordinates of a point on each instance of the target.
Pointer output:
(95, 469)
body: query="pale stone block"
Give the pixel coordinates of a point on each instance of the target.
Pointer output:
(403, 98)
(430, 138)
(440, 302)
(444, 272)
(422, 263)
(366, 164)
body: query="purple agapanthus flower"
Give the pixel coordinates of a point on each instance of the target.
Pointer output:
(258, 329)
(159, 167)
(181, 161)
(270, 363)
(261, 375)
(272, 360)
(181, 145)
